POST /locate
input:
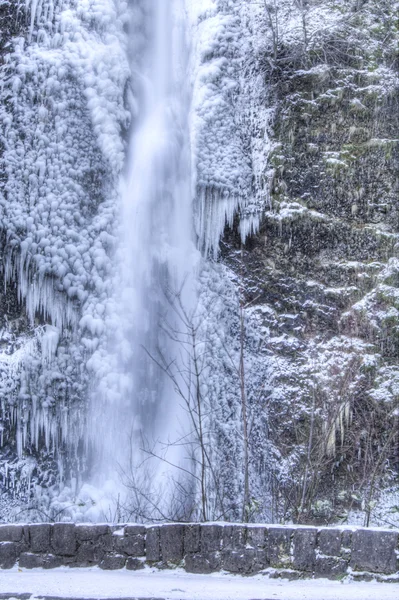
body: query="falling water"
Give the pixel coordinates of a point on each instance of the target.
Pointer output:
(156, 256)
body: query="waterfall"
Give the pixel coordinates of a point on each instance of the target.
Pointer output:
(105, 105)
(136, 404)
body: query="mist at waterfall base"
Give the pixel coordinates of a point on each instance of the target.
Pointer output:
(136, 417)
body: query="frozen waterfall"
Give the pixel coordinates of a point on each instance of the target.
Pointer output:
(136, 406)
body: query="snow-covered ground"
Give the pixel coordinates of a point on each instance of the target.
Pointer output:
(178, 585)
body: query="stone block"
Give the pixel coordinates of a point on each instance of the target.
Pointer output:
(234, 537)
(346, 553)
(304, 549)
(107, 542)
(286, 574)
(256, 537)
(136, 530)
(171, 539)
(86, 532)
(112, 562)
(362, 576)
(11, 533)
(387, 578)
(374, 551)
(39, 561)
(152, 545)
(30, 561)
(39, 537)
(244, 561)
(131, 545)
(134, 564)
(9, 552)
(346, 538)
(88, 554)
(192, 537)
(211, 538)
(279, 546)
(25, 536)
(15, 596)
(63, 539)
(261, 560)
(52, 562)
(330, 567)
(203, 562)
(329, 542)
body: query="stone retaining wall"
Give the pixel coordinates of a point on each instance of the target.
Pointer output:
(292, 552)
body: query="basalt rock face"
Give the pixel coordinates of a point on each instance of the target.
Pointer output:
(322, 272)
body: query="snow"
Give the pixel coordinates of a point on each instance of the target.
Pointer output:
(178, 585)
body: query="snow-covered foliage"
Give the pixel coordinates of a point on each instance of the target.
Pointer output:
(230, 333)
(323, 263)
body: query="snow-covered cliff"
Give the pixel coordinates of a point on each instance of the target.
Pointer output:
(294, 146)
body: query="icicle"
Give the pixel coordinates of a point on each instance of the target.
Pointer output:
(35, 8)
(249, 225)
(38, 292)
(41, 12)
(331, 439)
(341, 421)
(214, 210)
(49, 343)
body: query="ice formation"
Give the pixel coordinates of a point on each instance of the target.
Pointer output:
(63, 114)
(110, 169)
(223, 177)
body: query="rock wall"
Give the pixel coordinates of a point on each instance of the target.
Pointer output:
(320, 278)
(290, 552)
